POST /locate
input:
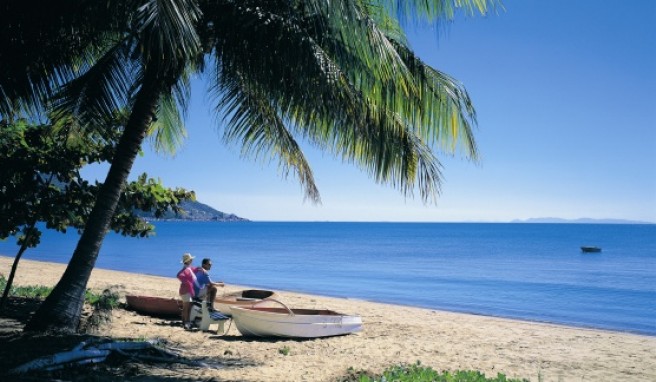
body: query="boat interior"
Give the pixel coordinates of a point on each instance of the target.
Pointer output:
(301, 312)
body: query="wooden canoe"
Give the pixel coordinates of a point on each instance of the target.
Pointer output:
(155, 306)
(293, 323)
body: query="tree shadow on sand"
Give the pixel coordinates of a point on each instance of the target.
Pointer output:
(272, 340)
(18, 347)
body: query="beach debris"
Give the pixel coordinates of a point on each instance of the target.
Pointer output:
(97, 352)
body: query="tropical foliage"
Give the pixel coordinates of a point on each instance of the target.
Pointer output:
(40, 182)
(337, 74)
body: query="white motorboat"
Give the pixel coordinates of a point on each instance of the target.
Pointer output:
(293, 323)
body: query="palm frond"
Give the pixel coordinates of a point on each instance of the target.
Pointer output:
(387, 24)
(255, 124)
(34, 52)
(435, 10)
(168, 130)
(444, 113)
(339, 75)
(327, 106)
(168, 36)
(46, 44)
(101, 90)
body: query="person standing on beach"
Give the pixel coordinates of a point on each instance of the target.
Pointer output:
(206, 287)
(188, 287)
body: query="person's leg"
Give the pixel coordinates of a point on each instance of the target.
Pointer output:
(186, 309)
(211, 295)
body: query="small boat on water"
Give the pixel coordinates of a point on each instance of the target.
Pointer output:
(244, 298)
(293, 323)
(590, 249)
(155, 306)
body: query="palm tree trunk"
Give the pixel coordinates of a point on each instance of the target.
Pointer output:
(62, 309)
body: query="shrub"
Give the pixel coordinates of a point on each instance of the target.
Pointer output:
(107, 301)
(418, 373)
(284, 350)
(31, 291)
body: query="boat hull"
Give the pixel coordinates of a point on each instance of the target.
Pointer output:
(304, 323)
(244, 298)
(590, 249)
(155, 306)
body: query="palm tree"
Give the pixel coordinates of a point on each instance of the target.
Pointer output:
(373, 102)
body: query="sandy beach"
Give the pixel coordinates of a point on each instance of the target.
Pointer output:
(392, 335)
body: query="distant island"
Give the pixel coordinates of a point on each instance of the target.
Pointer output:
(194, 211)
(579, 221)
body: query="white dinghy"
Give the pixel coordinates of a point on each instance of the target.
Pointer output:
(293, 323)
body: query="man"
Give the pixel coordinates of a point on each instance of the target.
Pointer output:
(205, 287)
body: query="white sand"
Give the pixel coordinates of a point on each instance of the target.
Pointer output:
(392, 334)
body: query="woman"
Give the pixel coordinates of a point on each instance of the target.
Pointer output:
(188, 284)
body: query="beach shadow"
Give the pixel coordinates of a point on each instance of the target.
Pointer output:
(20, 309)
(159, 316)
(18, 347)
(273, 340)
(174, 323)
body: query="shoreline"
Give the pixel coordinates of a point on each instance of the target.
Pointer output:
(392, 334)
(446, 310)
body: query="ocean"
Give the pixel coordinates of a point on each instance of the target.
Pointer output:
(533, 272)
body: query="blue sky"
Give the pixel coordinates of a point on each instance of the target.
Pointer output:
(565, 93)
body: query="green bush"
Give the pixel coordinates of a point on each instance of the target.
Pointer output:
(284, 350)
(32, 291)
(418, 373)
(105, 300)
(41, 292)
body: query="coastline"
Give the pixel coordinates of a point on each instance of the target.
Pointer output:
(392, 334)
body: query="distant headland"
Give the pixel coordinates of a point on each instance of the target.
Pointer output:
(579, 221)
(194, 211)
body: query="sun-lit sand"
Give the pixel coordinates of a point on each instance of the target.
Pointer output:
(392, 334)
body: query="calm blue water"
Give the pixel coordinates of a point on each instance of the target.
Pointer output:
(526, 271)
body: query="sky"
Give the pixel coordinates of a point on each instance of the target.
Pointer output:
(565, 94)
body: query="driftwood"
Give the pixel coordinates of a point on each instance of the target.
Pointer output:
(97, 352)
